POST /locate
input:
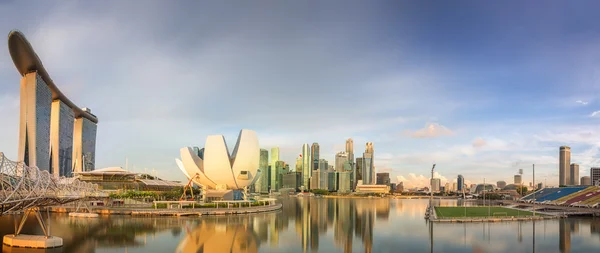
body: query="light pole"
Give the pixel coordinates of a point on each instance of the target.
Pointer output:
(534, 197)
(431, 191)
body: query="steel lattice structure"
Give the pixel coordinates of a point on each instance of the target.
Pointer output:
(25, 187)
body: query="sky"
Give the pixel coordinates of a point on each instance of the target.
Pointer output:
(480, 88)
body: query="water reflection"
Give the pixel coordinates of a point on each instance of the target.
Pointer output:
(317, 224)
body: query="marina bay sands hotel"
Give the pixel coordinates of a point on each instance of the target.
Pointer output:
(54, 134)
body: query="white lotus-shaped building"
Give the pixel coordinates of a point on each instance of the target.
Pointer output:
(215, 168)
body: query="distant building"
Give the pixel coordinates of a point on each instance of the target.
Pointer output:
(393, 187)
(372, 189)
(383, 178)
(332, 181)
(306, 161)
(340, 159)
(574, 174)
(563, 165)
(460, 183)
(262, 183)
(274, 158)
(540, 186)
(501, 184)
(586, 180)
(292, 180)
(518, 179)
(315, 180)
(480, 188)
(400, 187)
(314, 155)
(435, 184)
(368, 168)
(454, 186)
(358, 171)
(595, 175)
(344, 182)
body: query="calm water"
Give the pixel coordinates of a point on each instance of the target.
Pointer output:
(317, 225)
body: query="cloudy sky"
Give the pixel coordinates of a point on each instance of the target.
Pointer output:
(480, 88)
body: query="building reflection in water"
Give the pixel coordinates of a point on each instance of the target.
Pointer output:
(312, 218)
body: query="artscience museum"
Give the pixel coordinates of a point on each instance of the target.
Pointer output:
(214, 168)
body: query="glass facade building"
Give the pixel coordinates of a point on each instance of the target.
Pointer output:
(34, 130)
(314, 155)
(262, 183)
(306, 162)
(61, 139)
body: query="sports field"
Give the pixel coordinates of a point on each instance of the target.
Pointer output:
(456, 212)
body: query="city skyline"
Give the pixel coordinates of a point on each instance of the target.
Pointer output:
(488, 101)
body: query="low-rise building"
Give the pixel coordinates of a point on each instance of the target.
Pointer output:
(362, 188)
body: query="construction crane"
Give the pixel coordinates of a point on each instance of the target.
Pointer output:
(190, 186)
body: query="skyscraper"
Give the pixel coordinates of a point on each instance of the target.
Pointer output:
(563, 165)
(460, 183)
(574, 174)
(314, 155)
(368, 172)
(359, 170)
(262, 183)
(383, 178)
(84, 144)
(340, 159)
(350, 150)
(54, 134)
(595, 175)
(306, 162)
(586, 180)
(274, 158)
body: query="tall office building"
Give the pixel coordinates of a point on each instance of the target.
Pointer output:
(314, 155)
(350, 150)
(344, 182)
(518, 180)
(340, 159)
(61, 139)
(460, 183)
(564, 161)
(368, 168)
(34, 131)
(358, 170)
(574, 174)
(84, 144)
(435, 184)
(299, 164)
(280, 168)
(262, 183)
(54, 134)
(273, 163)
(595, 175)
(306, 161)
(383, 178)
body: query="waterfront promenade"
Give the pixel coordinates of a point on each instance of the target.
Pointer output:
(137, 211)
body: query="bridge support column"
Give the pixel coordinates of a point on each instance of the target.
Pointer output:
(32, 241)
(86, 213)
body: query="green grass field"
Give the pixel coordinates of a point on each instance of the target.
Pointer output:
(456, 212)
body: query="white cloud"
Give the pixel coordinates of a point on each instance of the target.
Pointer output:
(431, 130)
(479, 142)
(581, 102)
(595, 113)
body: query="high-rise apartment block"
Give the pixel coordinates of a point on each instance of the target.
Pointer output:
(435, 184)
(564, 161)
(595, 175)
(574, 174)
(54, 134)
(368, 169)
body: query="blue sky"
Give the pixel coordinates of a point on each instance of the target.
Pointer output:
(480, 88)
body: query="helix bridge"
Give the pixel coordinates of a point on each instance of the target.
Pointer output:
(25, 187)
